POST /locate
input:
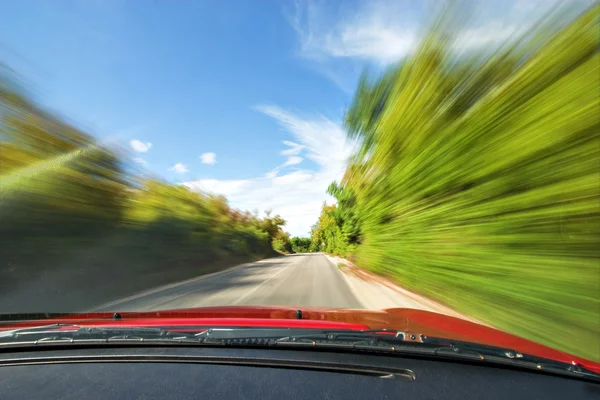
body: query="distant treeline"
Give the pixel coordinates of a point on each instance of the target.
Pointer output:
(477, 181)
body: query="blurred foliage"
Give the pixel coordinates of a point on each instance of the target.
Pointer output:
(60, 188)
(282, 244)
(478, 184)
(300, 244)
(326, 234)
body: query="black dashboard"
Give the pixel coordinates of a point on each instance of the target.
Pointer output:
(232, 373)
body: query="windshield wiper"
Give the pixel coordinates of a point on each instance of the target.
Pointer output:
(381, 341)
(71, 333)
(408, 343)
(504, 356)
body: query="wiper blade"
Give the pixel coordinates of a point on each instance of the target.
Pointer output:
(505, 356)
(36, 330)
(71, 333)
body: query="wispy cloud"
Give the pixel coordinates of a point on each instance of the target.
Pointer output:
(179, 168)
(323, 139)
(293, 161)
(297, 195)
(208, 158)
(293, 178)
(294, 148)
(228, 188)
(273, 173)
(380, 31)
(140, 146)
(140, 160)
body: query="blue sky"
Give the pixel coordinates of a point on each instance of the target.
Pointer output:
(242, 98)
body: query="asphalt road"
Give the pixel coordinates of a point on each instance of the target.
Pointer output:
(296, 280)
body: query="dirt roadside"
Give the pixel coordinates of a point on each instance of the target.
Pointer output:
(377, 292)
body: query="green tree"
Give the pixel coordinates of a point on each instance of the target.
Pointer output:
(300, 244)
(327, 231)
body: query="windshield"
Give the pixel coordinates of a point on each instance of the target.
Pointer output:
(327, 160)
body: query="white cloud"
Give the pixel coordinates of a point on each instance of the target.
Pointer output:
(323, 139)
(491, 35)
(293, 178)
(140, 160)
(375, 41)
(179, 168)
(272, 174)
(227, 188)
(208, 158)
(294, 148)
(298, 195)
(379, 31)
(293, 161)
(529, 8)
(139, 146)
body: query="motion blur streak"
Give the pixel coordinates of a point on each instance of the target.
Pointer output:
(476, 183)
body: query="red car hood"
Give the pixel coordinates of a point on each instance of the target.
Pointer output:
(404, 319)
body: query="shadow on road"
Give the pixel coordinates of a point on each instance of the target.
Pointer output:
(199, 290)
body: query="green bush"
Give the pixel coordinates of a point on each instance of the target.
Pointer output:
(300, 244)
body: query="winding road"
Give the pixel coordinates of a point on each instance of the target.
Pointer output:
(295, 280)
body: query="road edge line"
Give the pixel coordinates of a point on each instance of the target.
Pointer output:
(347, 280)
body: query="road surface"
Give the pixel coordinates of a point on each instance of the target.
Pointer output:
(295, 280)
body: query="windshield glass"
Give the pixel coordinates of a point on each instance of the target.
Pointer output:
(354, 156)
